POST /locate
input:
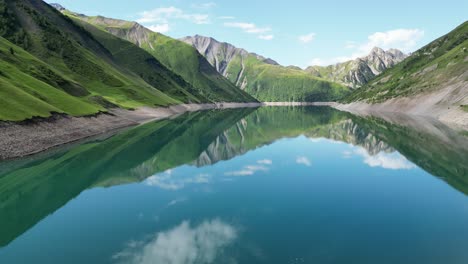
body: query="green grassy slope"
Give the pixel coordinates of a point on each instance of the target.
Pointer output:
(146, 66)
(435, 66)
(31, 88)
(174, 54)
(67, 69)
(268, 82)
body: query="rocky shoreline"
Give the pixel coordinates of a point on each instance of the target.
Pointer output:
(29, 137)
(32, 136)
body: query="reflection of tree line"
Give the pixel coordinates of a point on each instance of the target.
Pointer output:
(40, 187)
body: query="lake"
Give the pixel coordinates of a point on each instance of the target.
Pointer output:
(268, 185)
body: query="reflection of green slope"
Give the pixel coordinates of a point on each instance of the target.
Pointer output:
(433, 147)
(30, 193)
(268, 124)
(439, 150)
(39, 188)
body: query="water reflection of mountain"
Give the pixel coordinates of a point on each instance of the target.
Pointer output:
(269, 124)
(39, 187)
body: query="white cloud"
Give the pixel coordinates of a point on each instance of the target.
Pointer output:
(265, 161)
(393, 161)
(303, 160)
(266, 37)
(161, 28)
(226, 17)
(207, 5)
(307, 38)
(405, 40)
(183, 244)
(350, 44)
(164, 14)
(248, 27)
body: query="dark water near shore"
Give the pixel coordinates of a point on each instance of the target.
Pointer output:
(272, 185)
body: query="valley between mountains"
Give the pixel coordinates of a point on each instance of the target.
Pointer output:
(72, 76)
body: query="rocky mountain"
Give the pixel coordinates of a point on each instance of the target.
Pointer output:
(177, 56)
(431, 81)
(262, 77)
(220, 54)
(360, 71)
(57, 6)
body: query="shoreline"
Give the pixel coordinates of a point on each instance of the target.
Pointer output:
(59, 130)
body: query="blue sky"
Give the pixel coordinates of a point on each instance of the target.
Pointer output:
(294, 32)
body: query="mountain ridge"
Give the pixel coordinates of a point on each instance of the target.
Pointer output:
(264, 78)
(358, 72)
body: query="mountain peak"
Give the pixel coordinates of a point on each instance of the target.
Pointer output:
(58, 6)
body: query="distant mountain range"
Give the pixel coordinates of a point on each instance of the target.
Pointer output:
(262, 77)
(358, 72)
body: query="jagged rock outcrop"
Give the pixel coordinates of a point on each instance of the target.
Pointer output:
(360, 71)
(220, 54)
(57, 6)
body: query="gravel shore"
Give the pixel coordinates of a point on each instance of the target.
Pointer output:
(24, 138)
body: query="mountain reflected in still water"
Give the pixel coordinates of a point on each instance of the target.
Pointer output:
(267, 185)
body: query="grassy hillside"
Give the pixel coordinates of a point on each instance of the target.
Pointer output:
(263, 78)
(439, 64)
(174, 54)
(268, 82)
(30, 87)
(49, 63)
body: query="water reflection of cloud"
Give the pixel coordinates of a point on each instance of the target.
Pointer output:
(182, 244)
(393, 160)
(303, 161)
(251, 169)
(265, 162)
(168, 181)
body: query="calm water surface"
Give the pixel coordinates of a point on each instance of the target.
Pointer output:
(272, 185)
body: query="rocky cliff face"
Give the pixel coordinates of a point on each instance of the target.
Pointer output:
(221, 54)
(360, 71)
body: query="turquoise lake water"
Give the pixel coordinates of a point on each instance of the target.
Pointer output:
(268, 185)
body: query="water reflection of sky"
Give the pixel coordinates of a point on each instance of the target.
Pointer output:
(300, 155)
(321, 197)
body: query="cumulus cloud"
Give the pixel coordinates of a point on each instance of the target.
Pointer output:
(266, 37)
(252, 28)
(307, 38)
(207, 5)
(161, 28)
(183, 244)
(248, 27)
(393, 161)
(226, 17)
(405, 40)
(303, 160)
(168, 181)
(163, 15)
